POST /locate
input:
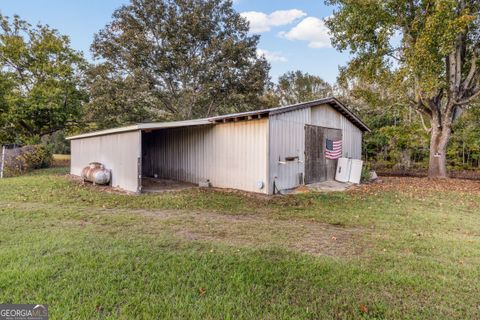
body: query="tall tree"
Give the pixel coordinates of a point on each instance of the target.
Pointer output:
(5, 87)
(176, 59)
(296, 86)
(428, 49)
(39, 81)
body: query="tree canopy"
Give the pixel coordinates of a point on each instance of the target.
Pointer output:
(426, 51)
(175, 59)
(297, 86)
(40, 78)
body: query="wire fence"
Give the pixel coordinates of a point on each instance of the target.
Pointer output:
(2, 164)
(7, 157)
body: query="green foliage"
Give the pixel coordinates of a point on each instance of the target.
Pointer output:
(422, 54)
(19, 161)
(409, 40)
(464, 148)
(365, 176)
(40, 78)
(296, 87)
(398, 137)
(57, 143)
(165, 59)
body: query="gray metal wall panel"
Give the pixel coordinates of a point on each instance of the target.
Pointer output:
(118, 152)
(230, 155)
(287, 139)
(326, 116)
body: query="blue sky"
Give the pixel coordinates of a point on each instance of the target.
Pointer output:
(293, 36)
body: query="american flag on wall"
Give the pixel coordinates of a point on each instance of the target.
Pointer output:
(333, 149)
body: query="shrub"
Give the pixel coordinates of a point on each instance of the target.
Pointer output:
(365, 176)
(21, 160)
(37, 157)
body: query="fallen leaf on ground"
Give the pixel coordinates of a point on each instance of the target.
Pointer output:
(363, 308)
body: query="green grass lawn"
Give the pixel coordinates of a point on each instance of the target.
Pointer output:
(397, 250)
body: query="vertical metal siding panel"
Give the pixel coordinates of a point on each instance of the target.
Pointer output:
(119, 152)
(268, 186)
(184, 151)
(75, 162)
(230, 155)
(287, 138)
(326, 116)
(242, 147)
(194, 144)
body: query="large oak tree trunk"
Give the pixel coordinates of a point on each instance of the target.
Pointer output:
(440, 136)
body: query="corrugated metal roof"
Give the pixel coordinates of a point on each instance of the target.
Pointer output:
(206, 121)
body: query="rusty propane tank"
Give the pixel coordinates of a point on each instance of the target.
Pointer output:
(96, 173)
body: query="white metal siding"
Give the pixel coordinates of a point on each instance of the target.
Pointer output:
(118, 152)
(287, 139)
(230, 155)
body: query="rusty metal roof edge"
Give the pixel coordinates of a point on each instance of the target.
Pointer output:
(205, 121)
(173, 124)
(277, 110)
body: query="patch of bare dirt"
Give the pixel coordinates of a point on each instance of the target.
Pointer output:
(169, 186)
(256, 230)
(153, 185)
(259, 231)
(242, 230)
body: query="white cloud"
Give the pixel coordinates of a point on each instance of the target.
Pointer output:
(262, 22)
(310, 29)
(271, 56)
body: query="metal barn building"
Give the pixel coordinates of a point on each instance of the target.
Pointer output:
(262, 151)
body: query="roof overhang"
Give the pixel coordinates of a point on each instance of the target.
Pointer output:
(144, 127)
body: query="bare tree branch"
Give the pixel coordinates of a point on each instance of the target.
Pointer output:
(472, 72)
(424, 125)
(471, 98)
